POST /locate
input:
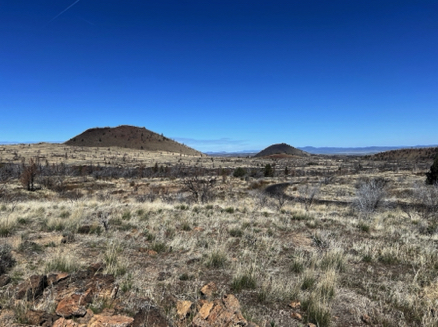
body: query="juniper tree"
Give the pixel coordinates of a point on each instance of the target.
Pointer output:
(432, 175)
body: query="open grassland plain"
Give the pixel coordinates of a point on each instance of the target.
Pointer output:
(92, 235)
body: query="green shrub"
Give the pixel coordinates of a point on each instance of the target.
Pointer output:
(186, 227)
(159, 247)
(235, 232)
(140, 212)
(64, 214)
(316, 312)
(216, 259)
(29, 246)
(184, 277)
(268, 171)
(23, 221)
(239, 172)
(364, 227)
(245, 281)
(6, 229)
(308, 282)
(297, 266)
(126, 215)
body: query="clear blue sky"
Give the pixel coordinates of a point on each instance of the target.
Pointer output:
(222, 75)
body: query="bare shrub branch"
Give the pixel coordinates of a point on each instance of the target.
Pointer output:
(369, 195)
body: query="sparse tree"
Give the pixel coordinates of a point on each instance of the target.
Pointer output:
(239, 172)
(427, 200)
(269, 171)
(201, 189)
(432, 175)
(28, 174)
(281, 199)
(308, 194)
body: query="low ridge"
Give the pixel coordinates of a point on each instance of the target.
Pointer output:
(133, 137)
(406, 154)
(281, 149)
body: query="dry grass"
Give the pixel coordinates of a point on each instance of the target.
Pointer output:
(337, 263)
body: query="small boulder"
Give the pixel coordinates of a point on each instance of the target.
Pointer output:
(40, 318)
(74, 305)
(62, 322)
(183, 308)
(54, 279)
(296, 316)
(31, 288)
(110, 321)
(86, 319)
(204, 312)
(220, 312)
(295, 304)
(208, 290)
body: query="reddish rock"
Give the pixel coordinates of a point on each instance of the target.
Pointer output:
(208, 290)
(223, 312)
(102, 286)
(110, 321)
(231, 302)
(31, 288)
(295, 304)
(74, 305)
(183, 308)
(296, 316)
(86, 319)
(62, 322)
(40, 318)
(54, 279)
(204, 312)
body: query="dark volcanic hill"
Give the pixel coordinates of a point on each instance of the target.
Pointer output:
(406, 154)
(125, 136)
(280, 150)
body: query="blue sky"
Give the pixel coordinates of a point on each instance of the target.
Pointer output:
(222, 75)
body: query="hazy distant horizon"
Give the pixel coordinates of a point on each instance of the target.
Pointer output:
(315, 150)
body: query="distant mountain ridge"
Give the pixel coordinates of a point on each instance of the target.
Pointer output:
(428, 153)
(358, 150)
(132, 137)
(327, 150)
